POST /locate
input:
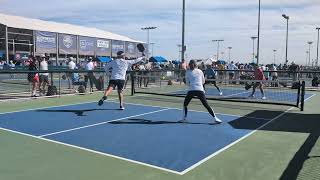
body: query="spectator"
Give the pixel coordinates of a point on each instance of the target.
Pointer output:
(71, 66)
(231, 67)
(1, 64)
(44, 77)
(274, 75)
(89, 76)
(33, 77)
(11, 67)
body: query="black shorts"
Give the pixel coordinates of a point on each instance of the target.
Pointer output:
(44, 78)
(117, 83)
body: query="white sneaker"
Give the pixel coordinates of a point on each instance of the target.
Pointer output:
(122, 108)
(263, 98)
(217, 120)
(220, 93)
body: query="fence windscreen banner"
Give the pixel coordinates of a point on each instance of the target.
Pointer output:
(46, 42)
(117, 46)
(86, 46)
(103, 47)
(67, 44)
(131, 49)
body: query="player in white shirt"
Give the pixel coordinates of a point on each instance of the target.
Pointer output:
(118, 75)
(195, 81)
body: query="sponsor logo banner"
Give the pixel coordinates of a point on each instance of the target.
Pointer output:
(131, 49)
(117, 46)
(86, 46)
(46, 42)
(103, 47)
(67, 44)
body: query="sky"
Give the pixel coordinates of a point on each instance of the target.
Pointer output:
(234, 21)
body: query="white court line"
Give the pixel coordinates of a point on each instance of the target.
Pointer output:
(232, 144)
(309, 98)
(93, 151)
(101, 123)
(236, 94)
(197, 111)
(46, 107)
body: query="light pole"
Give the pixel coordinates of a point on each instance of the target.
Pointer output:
(287, 35)
(317, 47)
(258, 46)
(229, 53)
(148, 38)
(307, 52)
(218, 40)
(274, 56)
(152, 48)
(179, 50)
(310, 42)
(183, 29)
(253, 38)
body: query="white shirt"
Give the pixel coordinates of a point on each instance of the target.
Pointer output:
(71, 65)
(44, 67)
(195, 80)
(120, 67)
(89, 66)
(232, 67)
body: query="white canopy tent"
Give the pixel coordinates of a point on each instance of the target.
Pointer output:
(40, 25)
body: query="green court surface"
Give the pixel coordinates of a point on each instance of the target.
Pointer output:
(286, 148)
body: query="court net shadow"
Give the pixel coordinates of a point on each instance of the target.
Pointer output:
(76, 112)
(290, 122)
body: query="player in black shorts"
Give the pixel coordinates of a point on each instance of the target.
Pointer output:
(118, 75)
(210, 75)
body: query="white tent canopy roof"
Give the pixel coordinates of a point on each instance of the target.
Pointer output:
(40, 25)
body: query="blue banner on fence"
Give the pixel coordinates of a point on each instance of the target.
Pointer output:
(46, 42)
(67, 44)
(103, 47)
(117, 46)
(86, 46)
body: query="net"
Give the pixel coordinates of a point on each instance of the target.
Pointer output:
(170, 83)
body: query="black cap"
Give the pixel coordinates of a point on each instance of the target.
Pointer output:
(120, 53)
(192, 62)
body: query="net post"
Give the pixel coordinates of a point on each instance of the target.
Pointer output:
(299, 94)
(59, 84)
(303, 91)
(132, 83)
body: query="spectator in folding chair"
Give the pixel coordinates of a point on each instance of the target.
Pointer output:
(76, 81)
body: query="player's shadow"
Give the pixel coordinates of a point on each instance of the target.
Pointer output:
(151, 122)
(76, 112)
(289, 122)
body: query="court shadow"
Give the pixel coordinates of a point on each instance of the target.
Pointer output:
(289, 122)
(151, 122)
(76, 112)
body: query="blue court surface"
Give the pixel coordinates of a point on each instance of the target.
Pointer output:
(273, 95)
(143, 134)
